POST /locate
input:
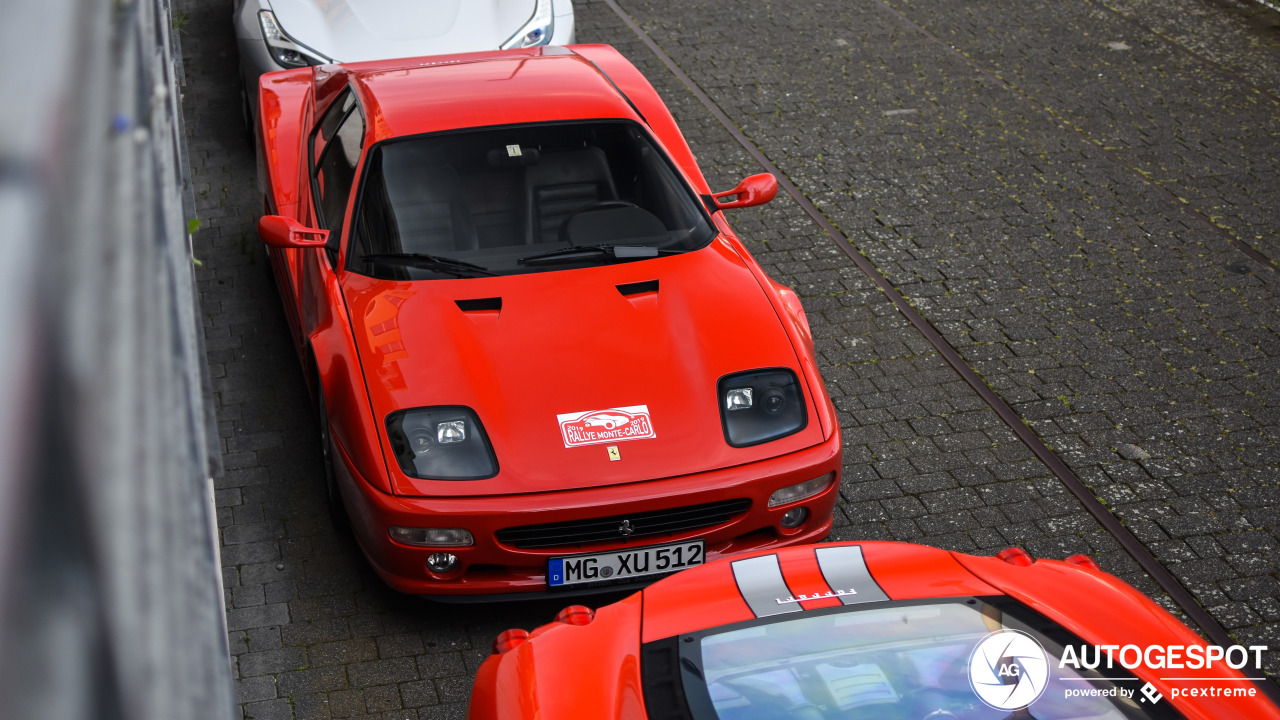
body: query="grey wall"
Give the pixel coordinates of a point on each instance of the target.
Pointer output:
(110, 602)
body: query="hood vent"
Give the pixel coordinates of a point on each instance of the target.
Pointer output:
(638, 288)
(493, 304)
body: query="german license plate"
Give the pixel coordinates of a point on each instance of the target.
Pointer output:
(624, 564)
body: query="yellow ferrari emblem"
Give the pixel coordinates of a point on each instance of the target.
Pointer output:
(613, 453)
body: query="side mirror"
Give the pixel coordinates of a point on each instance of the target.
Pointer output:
(285, 232)
(755, 190)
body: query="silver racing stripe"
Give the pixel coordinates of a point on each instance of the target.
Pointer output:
(761, 584)
(845, 568)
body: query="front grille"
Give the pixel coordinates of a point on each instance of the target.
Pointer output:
(606, 529)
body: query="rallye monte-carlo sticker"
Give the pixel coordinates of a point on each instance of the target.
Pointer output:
(606, 426)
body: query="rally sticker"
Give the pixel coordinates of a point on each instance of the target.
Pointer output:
(606, 426)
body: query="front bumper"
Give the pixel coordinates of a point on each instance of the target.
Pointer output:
(492, 567)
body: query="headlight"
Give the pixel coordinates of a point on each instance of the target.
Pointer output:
(441, 443)
(801, 491)
(286, 51)
(760, 405)
(535, 32)
(432, 537)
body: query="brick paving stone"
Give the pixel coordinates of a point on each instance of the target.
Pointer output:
(1106, 315)
(419, 694)
(280, 709)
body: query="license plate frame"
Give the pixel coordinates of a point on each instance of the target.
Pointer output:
(586, 569)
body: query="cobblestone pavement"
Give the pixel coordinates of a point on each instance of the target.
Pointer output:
(1241, 36)
(1027, 207)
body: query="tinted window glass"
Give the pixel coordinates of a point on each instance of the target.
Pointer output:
(502, 199)
(337, 141)
(332, 117)
(897, 661)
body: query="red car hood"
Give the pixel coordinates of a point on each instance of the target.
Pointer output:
(570, 342)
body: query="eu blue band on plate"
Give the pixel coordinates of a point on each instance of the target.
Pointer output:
(555, 572)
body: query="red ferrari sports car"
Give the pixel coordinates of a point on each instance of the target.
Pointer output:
(871, 631)
(541, 358)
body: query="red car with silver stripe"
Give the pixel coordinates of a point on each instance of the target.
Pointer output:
(854, 631)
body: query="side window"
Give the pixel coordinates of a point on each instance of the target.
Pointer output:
(335, 150)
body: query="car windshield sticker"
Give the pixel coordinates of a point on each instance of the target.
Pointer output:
(606, 426)
(761, 584)
(513, 151)
(844, 567)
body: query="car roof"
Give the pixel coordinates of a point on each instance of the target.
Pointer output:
(448, 92)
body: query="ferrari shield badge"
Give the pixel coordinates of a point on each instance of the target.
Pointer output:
(606, 426)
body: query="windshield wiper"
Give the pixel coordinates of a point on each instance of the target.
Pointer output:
(438, 263)
(581, 252)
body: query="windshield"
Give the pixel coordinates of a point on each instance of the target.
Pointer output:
(517, 199)
(894, 661)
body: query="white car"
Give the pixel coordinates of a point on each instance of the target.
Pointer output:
(283, 34)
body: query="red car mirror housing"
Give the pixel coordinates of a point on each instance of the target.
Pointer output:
(285, 232)
(755, 190)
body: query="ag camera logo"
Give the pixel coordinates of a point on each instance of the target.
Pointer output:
(1008, 670)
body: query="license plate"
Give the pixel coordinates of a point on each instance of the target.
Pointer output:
(624, 564)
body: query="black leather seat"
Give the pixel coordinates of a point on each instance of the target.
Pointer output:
(431, 215)
(564, 181)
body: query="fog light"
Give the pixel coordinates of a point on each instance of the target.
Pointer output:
(441, 562)
(738, 399)
(432, 537)
(801, 491)
(794, 518)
